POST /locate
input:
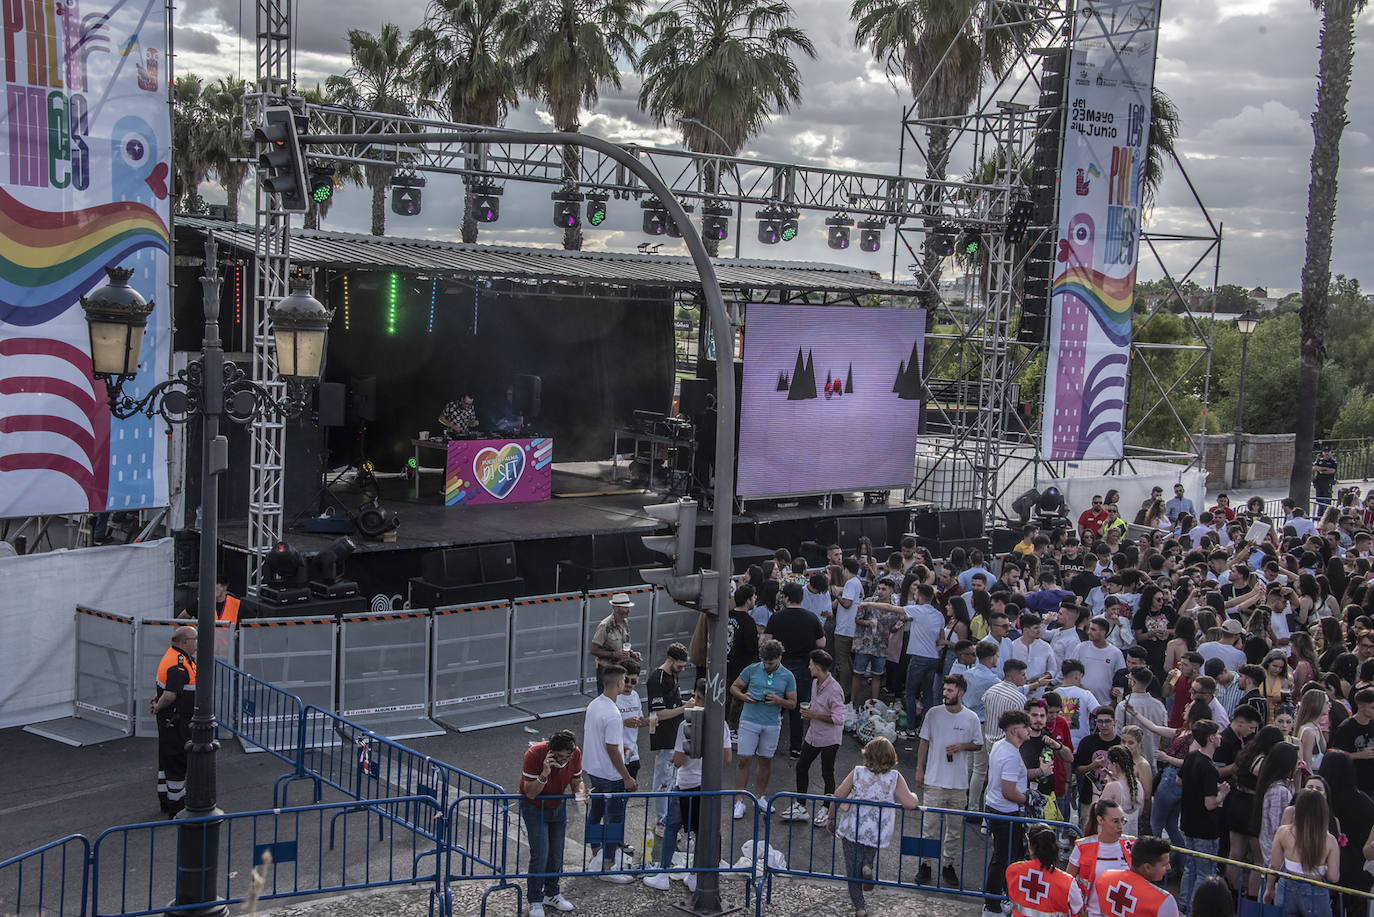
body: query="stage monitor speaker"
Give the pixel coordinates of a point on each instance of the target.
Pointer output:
(608, 551)
(498, 562)
(847, 531)
(691, 400)
(451, 567)
(970, 523)
(331, 404)
(528, 395)
(364, 397)
(951, 525)
(927, 525)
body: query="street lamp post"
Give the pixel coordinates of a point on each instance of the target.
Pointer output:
(1245, 324)
(210, 389)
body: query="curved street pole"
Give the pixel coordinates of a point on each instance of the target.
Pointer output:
(706, 899)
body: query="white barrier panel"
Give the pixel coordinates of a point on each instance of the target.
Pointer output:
(104, 706)
(641, 617)
(153, 638)
(296, 655)
(384, 673)
(470, 677)
(546, 647)
(672, 624)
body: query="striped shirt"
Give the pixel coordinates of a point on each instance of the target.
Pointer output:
(1000, 698)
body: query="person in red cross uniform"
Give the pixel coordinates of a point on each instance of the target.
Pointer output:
(1137, 892)
(1037, 887)
(1107, 847)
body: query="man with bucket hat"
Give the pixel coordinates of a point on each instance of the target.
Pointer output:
(611, 641)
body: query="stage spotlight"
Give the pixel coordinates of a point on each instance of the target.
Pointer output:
(405, 194)
(715, 222)
(870, 235)
(837, 236)
(596, 207)
(941, 242)
(655, 217)
(1051, 501)
(486, 202)
(1025, 504)
(321, 183)
(286, 576)
(327, 570)
(675, 230)
(970, 243)
(567, 209)
(770, 225)
(789, 227)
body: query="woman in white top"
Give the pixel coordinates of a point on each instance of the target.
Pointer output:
(1307, 728)
(1304, 848)
(1123, 788)
(863, 829)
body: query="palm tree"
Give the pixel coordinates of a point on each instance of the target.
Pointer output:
(723, 66)
(227, 151)
(1336, 58)
(464, 68)
(344, 172)
(568, 49)
(189, 162)
(941, 50)
(377, 82)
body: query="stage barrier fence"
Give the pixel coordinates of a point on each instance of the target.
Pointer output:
(546, 648)
(103, 705)
(469, 676)
(294, 655)
(263, 716)
(673, 623)
(152, 638)
(384, 673)
(641, 622)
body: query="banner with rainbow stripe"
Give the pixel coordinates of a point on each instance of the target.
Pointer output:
(84, 184)
(1109, 81)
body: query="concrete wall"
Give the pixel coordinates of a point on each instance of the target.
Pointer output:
(1266, 460)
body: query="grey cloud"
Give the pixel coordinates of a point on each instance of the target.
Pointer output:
(196, 41)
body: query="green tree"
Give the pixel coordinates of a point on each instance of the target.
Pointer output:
(1350, 343)
(464, 69)
(1233, 299)
(225, 148)
(1355, 420)
(1336, 59)
(1272, 369)
(1164, 407)
(377, 81)
(567, 50)
(344, 172)
(190, 163)
(724, 63)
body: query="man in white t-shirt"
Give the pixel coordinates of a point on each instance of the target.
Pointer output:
(1228, 648)
(816, 596)
(1101, 660)
(632, 717)
(1035, 653)
(1078, 702)
(1005, 795)
(846, 609)
(950, 734)
(603, 764)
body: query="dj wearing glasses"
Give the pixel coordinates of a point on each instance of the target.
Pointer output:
(1091, 521)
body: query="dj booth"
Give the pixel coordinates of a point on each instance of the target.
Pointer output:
(476, 471)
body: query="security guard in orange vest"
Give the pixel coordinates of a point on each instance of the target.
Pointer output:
(1137, 892)
(173, 706)
(1038, 887)
(1107, 847)
(226, 605)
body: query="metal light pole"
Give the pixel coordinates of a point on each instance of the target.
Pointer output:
(1246, 325)
(210, 389)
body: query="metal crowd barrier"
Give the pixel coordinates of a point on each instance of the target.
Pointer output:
(153, 637)
(673, 623)
(297, 655)
(469, 675)
(1265, 871)
(384, 673)
(598, 608)
(103, 708)
(134, 868)
(49, 880)
(546, 649)
(264, 717)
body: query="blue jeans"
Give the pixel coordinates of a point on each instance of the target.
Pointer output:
(545, 828)
(684, 812)
(664, 776)
(1302, 900)
(611, 810)
(1164, 807)
(922, 676)
(1195, 869)
(856, 857)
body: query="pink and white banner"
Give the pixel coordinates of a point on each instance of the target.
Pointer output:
(1108, 85)
(86, 134)
(498, 471)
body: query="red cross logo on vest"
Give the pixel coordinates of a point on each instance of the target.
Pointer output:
(1034, 887)
(1120, 901)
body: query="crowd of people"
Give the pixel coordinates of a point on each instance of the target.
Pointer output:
(1203, 682)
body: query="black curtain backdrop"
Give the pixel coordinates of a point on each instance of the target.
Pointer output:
(600, 359)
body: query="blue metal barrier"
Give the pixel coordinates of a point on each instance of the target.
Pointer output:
(268, 854)
(261, 715)
(49, 880)
(916, 839)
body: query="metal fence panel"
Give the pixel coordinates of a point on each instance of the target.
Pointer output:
(104, 672)
(384, 673)
(673, 623)
(295, 655)
(153, 637)
(470, 677)
(546, 649)
(50, 880)
(641, 620)
(263, 716)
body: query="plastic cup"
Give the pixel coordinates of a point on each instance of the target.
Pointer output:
(653, 721)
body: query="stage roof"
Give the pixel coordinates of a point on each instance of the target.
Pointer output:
(348, 251)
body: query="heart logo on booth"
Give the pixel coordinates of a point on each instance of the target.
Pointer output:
(499, 471)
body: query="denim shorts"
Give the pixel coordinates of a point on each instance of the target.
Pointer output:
(755, 739)
(865, 664)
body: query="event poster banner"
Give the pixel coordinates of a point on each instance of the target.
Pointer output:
(1109, 81)
(498, 471)
(84, 182)
(831, 399)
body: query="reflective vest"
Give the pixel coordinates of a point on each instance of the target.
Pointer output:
(1038, 892)
(1124, 893)
(1087, 859)
(170, 660)
(230, 611)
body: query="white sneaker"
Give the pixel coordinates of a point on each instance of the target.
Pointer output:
(657, 880)
(822, 816)
(614, 877)
(739, 809)
(537, 909)
(560, 903)
(691, 881)
(794, 812)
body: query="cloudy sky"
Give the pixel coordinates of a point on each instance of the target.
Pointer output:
(1241, 71)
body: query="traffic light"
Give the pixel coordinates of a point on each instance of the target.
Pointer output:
(693, 733)
(281, 160)
(682, 584)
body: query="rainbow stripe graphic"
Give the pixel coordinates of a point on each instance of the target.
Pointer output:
(47, 260)
(1108, 299)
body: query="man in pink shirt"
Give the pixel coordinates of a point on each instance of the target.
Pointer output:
(825, 729)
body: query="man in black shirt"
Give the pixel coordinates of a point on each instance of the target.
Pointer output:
(1356, 736)
(1090, 757)
(1136, 658)
(1323, 477)
(799, 632)
(1244, 722)
(665, 700)
(1200, 811)
(744, 645)
(1039, 751)
(1152, 629)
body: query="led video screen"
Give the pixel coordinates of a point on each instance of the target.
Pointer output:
(830, 399)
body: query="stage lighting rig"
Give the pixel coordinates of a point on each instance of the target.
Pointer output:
(1018, 221)
(405, 194)
(285, 576)
(486, 201)
(321, 183)
(837, 235)
(715, 222)
(970, 243)
(770, 225)
(655, 217)
(870, 235)
(596, 207)
(567, 209)
(789, 226)
(675, 230)
(941, 242)
(327, 570)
